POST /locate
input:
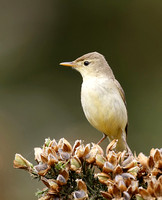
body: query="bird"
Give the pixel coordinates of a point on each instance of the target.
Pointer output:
(102, 98)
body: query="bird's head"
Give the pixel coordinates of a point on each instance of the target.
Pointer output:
(91, 64)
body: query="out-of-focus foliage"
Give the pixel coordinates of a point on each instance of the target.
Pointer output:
(39, 98)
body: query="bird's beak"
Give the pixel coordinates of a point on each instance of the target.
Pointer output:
(68, 64)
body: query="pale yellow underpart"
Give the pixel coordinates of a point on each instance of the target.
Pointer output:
(104, 108)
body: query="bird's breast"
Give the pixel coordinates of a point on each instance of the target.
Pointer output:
(103, 105)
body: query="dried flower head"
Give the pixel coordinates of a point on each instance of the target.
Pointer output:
(83, 172)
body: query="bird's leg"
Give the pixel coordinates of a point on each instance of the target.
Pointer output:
(129, 150)
(104, 137)
(127, 147)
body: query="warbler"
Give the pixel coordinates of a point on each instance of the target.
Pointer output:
(102, 98)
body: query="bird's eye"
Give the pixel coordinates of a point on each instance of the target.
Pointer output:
(86, 63)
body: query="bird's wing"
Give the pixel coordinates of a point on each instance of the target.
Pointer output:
(122, 94)
(121, 91)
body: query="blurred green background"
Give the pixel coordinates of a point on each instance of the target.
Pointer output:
(39, 98)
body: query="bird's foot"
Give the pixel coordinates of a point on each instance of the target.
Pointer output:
(103, 138)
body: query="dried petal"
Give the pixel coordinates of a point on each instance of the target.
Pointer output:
(126, 195)
(128, 184)
(129, 163)
(42, 169)
(87, 150)
(91, 156)
(53, 185)
(143, 160)
(158, 189)
(108, 167)
(64, 145)
(50, 183)
(118, 170)
(82, 151)
(44, 157)
(152, 152)
(134, 170)
(98, 149)
(127, 175)
(133, 188)
(120, 182)
(52, 159)
(159, 165)
(122, 156)
(65, 174)
(37, 152)
(21, 163)
(138, 197)
(116, 192)
(160, 179)
(53, 194)
(80, 195)
(112, 158)
(75, 163)
(106, 195)
(100, 160)
(64, 155)
(61, 180)
(81, 185)
(143, 192)
(45, 198)
(53, 145)
(155, 171)
(76, 144)
(47, 142)
(150, 162)
(111, 146)
(110, 189)
(150, 188)
(103, 177)
(156, 155)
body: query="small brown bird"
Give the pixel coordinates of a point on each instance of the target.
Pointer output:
(102, 98)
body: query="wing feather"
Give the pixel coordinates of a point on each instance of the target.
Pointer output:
(121, 91)
(122, 94)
